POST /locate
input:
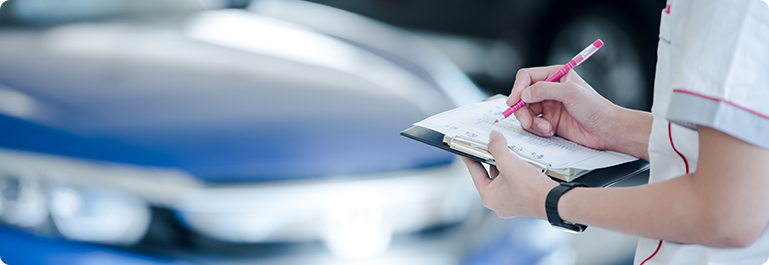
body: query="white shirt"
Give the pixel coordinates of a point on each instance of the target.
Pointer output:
(712, 70)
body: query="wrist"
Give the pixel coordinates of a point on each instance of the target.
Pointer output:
(552, 204)
(542, 191)
(629, 132)
(571, 204)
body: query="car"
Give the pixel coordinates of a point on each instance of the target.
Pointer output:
(164, 131)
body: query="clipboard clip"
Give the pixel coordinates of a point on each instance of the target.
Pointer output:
(480, 149)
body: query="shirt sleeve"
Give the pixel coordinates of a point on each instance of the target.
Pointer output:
(720, 69)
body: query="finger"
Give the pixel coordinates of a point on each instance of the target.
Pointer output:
(498, 148)
(528, 76)
(479, 174)
(565, 93)
(527, 114)
(524, 116)
(542, 126)
(536, 109)
(553, 113)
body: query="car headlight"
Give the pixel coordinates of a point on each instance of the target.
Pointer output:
(23, 202)
(98, 214)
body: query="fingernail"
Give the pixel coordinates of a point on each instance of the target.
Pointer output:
(543, 127)
(493, 134)
(526, 95)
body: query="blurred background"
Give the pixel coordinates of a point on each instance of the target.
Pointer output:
(266, 131)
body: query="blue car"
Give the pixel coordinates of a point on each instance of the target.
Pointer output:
(174, 132)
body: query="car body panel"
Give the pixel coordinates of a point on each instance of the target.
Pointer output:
(219, 110)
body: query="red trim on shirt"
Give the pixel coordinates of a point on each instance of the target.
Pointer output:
(655, 253)
(670, 135)
(722, 100)
(686, 163)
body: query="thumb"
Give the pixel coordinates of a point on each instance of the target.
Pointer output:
(498, 148)
(563, 92)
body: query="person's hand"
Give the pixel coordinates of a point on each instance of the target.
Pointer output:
(513, 187)
(569, 108)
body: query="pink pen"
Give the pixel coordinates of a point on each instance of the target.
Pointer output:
(577, 60)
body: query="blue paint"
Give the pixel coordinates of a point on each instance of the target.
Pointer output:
(17, 247)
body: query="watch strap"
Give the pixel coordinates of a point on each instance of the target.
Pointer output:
(551, 207)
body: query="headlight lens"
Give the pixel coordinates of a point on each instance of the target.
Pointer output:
(98, 214)
(23, 202)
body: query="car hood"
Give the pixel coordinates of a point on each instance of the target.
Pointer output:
(225, 95)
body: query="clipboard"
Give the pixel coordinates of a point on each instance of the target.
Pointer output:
(603, 177)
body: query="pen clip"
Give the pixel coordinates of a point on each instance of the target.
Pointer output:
(480, 149)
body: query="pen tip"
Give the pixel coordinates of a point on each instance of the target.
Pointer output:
(495, 121)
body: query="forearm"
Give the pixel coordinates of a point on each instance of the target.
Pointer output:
(724, 203)
(629, 132)
(677, 210)
(653, 211)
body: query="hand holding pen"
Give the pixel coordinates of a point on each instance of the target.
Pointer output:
(577, 60)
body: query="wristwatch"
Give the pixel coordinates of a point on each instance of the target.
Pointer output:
(551, 208)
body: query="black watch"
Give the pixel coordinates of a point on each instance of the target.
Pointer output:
(551, 207)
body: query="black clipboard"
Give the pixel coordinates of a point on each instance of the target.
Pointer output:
(603, 177)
